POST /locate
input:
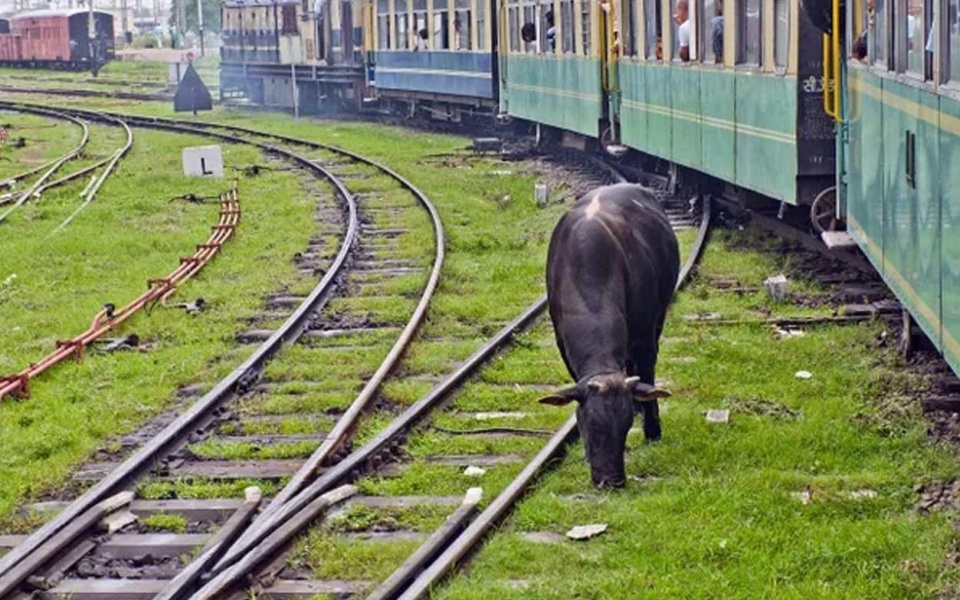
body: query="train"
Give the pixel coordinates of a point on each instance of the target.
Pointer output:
(844, 112)
(59, 39)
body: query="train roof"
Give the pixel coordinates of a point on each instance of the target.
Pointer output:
(244, 3)
(53, 12)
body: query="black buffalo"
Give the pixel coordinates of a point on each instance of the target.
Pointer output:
(611, 272)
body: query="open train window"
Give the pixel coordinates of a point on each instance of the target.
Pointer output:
(403, 35)
(653, 26)
(462, 26)
(383, 24)
(566, 26)
(750, 18)
(781, 34)
(878, 37)
(952, 50)
(289, 16)
(585, 30)
(910, 45)
(530, 17)
(513, 22)
(481, 28)
(710, 31)
(628, 36)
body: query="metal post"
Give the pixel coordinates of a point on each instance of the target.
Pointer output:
(200, 21)
(123, 19)
(296, 91)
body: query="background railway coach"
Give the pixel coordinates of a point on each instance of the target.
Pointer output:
(60, 39)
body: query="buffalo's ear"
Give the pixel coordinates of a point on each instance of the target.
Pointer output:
(644, 392)
(561, 398)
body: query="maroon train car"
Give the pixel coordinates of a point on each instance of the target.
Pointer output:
(59, 39)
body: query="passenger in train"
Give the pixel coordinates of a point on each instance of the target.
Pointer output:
(528, 33)
(421, 40)
(716, 32)
(681, 16)
(551, 31)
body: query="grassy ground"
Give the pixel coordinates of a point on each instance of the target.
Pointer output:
(45, 139)
(714, 510)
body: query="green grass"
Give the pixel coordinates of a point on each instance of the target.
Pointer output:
(45, 139)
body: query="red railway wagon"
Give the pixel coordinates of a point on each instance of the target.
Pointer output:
(59, 39)
(9, 48)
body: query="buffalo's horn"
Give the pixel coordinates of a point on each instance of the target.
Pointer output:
(629, 382)
(595, 385)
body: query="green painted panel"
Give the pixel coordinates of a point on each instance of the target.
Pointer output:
(562, 92)
(926, 277)
(766, 117)
(633, 111)
(685, 88)
(659, 114)
(716, 133)
(865, 201)
(950, 227)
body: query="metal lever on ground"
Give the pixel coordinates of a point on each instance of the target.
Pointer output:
(215, 547)
(33, 562)
(273, 542)
(425, 553)
(493, 513)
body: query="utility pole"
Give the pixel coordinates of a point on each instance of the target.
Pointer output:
(123, 19)
(200, 21)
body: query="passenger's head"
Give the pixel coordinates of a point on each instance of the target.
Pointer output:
(528, 32)
(548, 17)
(719, 7)
(681, 13)
(422, 33)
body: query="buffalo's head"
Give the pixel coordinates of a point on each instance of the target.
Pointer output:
(606, 405)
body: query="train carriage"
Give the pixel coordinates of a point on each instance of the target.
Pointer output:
(435, 54)
(899, 111)
(72, 38)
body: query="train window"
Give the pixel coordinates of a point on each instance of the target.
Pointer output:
(710, 30)
(586, 31)
(513, 16)
(290, 24)
(462, 25)
(651, 16)
(403, 35)
(383, 24)
(566, 26)
(781, 33)
(628, 42)
(912, 46)
(481, 29)
(953, 41)
(529, 17)
(750, 19)
(878, 36)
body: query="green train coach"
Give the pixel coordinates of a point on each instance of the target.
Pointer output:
(898, 122)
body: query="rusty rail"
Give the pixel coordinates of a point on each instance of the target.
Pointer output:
(159, 290)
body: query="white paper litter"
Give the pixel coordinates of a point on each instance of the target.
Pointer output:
(718, 416)
(472, 471)
(585, 532)
(803, 375)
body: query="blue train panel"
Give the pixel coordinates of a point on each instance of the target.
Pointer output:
(468, 74)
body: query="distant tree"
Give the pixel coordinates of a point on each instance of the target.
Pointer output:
(211, 15)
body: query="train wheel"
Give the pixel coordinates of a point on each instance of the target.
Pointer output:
(823, 211)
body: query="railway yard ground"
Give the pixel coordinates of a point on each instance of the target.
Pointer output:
(824, 478)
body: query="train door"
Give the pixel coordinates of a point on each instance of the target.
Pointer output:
(607, 33)
(369, 45)
(346, 32)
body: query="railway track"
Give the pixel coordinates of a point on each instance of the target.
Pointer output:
(66, 556)
(46, 182)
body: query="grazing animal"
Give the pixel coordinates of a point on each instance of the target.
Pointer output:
(612, 269)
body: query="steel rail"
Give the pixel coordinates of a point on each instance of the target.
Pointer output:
(142, 460)
(91, 193)
(435, 571)
(54, 165)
